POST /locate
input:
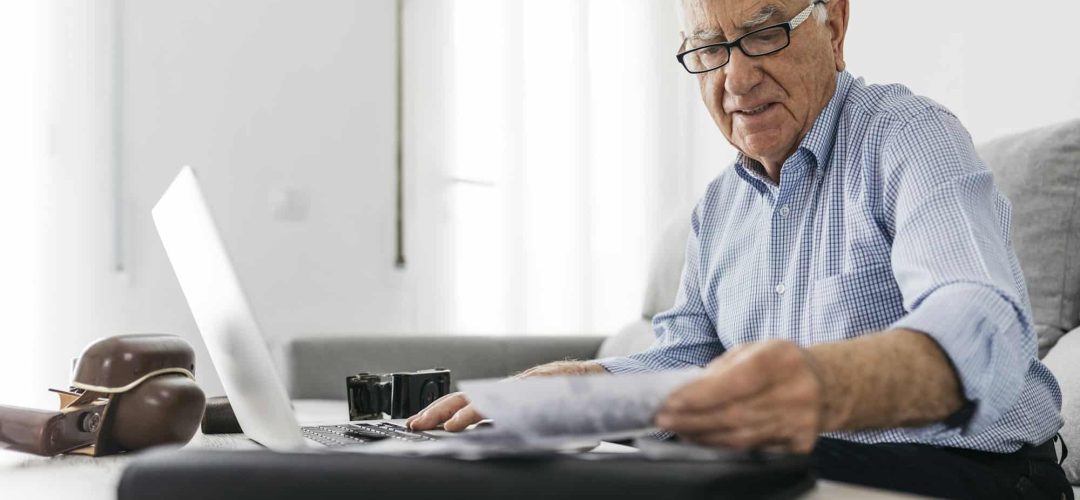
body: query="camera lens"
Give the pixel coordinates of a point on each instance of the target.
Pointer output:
(364, 395)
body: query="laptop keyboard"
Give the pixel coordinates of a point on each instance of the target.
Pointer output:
(359, 433)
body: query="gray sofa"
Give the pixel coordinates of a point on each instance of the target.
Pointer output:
(1038, 170)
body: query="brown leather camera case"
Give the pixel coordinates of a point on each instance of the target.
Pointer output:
(129, 392)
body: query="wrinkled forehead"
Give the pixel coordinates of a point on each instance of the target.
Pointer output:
(724, 19)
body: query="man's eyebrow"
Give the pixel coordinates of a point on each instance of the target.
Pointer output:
(706, 35)
(766, 12)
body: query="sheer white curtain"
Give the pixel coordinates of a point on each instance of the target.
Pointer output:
(563, 133)
(55, 190)
(21, 151)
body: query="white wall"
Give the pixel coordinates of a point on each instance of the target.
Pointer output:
(267, 99)
(1001, 66)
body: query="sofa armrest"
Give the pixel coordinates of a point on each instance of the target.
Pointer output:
(316, 367)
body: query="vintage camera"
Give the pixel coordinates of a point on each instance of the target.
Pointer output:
(400, 395)
(128, 392)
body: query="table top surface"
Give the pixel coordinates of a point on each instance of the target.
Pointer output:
(96, 478)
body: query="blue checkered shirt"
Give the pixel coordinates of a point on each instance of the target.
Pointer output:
(884, 218)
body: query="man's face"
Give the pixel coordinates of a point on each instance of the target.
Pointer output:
(766, 105)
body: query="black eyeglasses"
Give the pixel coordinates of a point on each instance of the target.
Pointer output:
(761, 42)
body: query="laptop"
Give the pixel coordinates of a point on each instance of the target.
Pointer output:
(232, 335)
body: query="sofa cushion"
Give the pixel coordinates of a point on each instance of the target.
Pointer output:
(316, 367)
(665, 267)
(1062, 360)
(632, 339)
(1039, 171)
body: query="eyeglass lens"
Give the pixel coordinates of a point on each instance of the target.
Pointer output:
(758, 43)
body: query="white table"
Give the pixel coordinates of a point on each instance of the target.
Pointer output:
(90, 478)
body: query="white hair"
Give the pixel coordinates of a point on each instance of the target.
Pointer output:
(821, 11)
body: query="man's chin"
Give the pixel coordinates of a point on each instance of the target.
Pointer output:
(763, 146)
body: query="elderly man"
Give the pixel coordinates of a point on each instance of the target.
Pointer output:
(849, 282)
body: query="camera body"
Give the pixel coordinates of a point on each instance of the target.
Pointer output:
(399, 395)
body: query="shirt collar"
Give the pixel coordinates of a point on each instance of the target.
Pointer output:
(819, 141)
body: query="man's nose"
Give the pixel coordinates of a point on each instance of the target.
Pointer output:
(741, 74)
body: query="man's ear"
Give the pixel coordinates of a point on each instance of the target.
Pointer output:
(837, 23)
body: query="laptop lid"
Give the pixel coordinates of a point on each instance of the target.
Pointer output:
(224, 318)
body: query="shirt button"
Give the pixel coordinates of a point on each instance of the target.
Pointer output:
(784, 211)
(780, 289)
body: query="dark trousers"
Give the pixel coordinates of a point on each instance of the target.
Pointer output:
(1031, 472)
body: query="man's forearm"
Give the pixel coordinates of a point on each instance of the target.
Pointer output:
(897, 378)
(568, 367)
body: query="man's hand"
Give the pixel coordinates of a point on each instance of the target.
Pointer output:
(761, 394)
(455, 413)
(775, 393)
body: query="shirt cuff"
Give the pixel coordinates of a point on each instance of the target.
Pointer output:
(623, 364)
(986, 339)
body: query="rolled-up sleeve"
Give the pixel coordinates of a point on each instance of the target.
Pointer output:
(685, 335)
(954, 263)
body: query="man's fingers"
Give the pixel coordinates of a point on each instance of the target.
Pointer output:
(444, 397)
(743, 438)
(803, 443)
(791, 435)
(719, 385)
(727, 417)
(410, 420)
(438, 412)
(754, 395)
(462, 419)
(742, 372)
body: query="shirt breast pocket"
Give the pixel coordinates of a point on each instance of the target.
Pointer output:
(849, 304)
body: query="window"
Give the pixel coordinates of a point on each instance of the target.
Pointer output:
(566, 137)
